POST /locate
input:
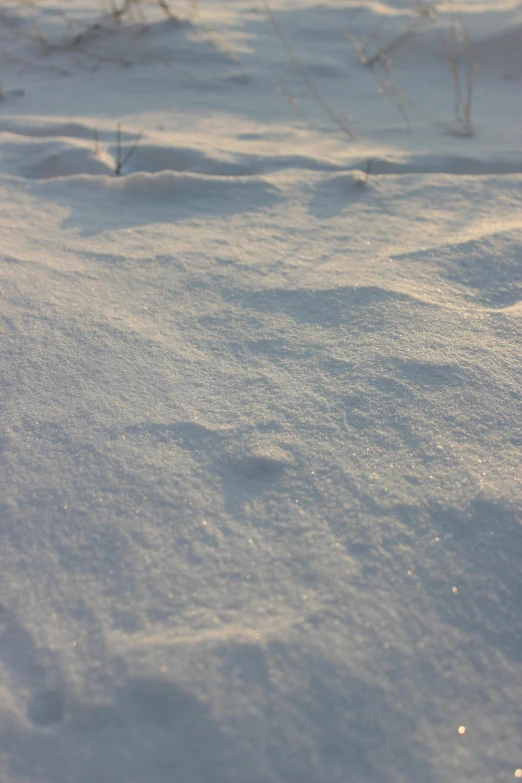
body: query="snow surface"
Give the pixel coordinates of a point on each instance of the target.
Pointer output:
(261, 503)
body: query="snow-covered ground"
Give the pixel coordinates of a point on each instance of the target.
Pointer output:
(261, 432)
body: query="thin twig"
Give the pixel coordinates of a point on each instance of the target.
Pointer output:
(460, 41)
(380, 63)
(366, 174)
(304, 76)
(121, 159)
(97, 148)
(397, 42)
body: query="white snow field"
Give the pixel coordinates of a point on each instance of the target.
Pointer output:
(261, 426)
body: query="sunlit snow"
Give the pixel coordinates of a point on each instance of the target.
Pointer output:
(260, 391)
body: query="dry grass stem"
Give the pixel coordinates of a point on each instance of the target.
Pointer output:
(341, 124)
(458, 55)
(121, 157)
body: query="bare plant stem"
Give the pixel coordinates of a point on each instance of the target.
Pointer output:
(97, 148)
(366, 175)
(459, 44)
(454, 45)
(341, 124)
(122, 159)
(398, 41)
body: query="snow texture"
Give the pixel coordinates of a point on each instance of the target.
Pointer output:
(260, 429)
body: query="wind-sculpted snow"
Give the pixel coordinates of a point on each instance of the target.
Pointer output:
(260, 393)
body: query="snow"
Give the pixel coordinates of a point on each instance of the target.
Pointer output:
(260, 445)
